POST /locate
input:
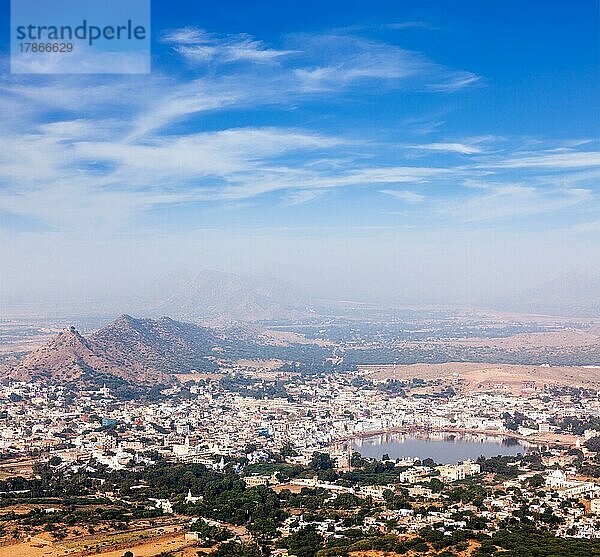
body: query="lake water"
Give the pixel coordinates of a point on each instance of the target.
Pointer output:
(444, 448)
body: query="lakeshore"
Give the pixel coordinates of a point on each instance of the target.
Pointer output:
(541, 440)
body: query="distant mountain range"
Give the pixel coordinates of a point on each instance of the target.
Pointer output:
(216, 297)
(571, 294)
(213, 296)
(207, 297)
(142, 352)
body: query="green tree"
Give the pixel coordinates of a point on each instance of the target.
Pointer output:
(304, 542)
(321, 461)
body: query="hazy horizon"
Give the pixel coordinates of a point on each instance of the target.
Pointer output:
(151, 298)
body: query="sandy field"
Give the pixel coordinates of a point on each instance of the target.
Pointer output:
(143, 544)
(475, 375)
(147, 549)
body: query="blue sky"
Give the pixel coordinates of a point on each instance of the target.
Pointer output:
(318, 141)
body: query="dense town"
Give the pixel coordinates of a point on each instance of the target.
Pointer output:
(299, 437)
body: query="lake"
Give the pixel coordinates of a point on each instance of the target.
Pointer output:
(444, 448)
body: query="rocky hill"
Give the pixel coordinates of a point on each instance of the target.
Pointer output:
(142, 352)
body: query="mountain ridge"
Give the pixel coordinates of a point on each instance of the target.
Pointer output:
(139, 351)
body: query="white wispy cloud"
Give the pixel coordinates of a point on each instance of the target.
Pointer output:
(300, 197)
(179, 159)
(199, 46)
(244, 50)
(405, 195)
(454, 82)
(337, 60)
(462, 148)
(186, 35)
(343, 60)
(562, 160)
(504, 201)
